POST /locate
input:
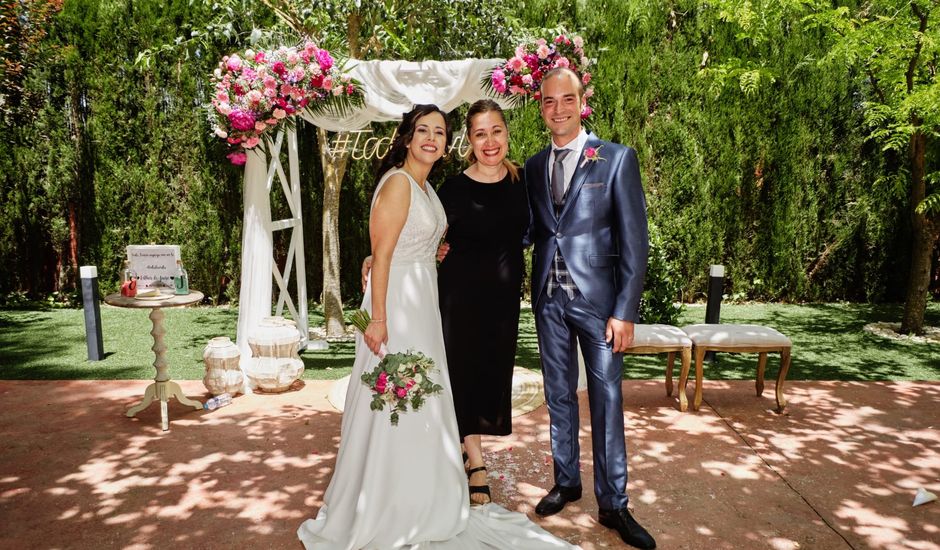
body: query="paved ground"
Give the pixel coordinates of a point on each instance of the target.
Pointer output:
(839, 470)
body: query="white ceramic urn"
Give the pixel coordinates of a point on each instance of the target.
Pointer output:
(223, 374)
(275, 363)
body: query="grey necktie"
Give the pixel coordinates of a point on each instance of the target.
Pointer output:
(558, 176)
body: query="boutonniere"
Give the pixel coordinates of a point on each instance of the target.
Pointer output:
(592, 154)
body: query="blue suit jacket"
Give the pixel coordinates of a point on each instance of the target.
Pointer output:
(602, 230)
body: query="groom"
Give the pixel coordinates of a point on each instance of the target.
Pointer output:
(591, 244)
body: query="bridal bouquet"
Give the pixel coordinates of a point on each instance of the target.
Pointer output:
(257, 90)
(521, 75)
(400, 379)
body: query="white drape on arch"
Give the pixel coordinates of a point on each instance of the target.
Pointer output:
(390, 88)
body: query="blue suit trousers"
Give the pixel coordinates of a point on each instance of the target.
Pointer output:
(560, 323)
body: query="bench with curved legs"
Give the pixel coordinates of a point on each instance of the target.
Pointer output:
(739, 339)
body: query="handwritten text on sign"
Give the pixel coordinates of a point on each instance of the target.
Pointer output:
(155, 264)
(364, 145)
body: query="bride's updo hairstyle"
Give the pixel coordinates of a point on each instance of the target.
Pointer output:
(398, 150)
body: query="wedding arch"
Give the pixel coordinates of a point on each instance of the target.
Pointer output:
(390, 88)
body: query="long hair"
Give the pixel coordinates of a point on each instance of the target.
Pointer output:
(489, 106)
(398, 150)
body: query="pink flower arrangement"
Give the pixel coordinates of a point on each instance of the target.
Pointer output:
(256, 91)
(521, 75)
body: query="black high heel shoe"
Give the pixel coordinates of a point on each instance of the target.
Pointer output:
(479, 489)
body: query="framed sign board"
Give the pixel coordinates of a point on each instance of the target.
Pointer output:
(155, 264)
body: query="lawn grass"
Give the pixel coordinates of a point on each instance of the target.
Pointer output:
(828, 344)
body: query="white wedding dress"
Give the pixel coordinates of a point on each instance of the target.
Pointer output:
(404, 486)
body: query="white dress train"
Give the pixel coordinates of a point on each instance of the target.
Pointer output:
(404, 487)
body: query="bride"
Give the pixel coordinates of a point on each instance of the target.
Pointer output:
(404, 486)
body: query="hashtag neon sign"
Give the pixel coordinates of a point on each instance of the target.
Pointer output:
(364, 144)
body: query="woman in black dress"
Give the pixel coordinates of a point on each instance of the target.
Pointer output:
(480, 282)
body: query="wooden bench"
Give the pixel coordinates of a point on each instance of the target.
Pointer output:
(738, 339)
(655, 339)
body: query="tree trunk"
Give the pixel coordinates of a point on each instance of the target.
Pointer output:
(69, 271)
(334, 168)
(924, 232)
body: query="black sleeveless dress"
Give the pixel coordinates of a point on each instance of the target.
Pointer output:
(480, 283)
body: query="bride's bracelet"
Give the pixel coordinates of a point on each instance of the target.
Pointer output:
(377, 321)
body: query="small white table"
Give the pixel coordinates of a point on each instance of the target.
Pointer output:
(162, 388)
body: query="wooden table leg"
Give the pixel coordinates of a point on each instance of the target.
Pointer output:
(684, 378)
(669, 364)
(149, 395)
(761, 365)
(162, 388)
(174, 390)
(699, 359)
(781, 378)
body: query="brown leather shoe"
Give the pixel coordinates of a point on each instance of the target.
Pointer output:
(629, 530)
(555, 500)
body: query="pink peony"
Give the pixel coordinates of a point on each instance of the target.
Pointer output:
(325, 60)
(221, 97)
(234, 63)
(401, 392)
(251, 142)
(562, 62)
(527, 79)
(241, 120)
(578, 42)
(498, 78)
(585, 78)
(279, 68)
(542, 51)
(260, 126)
(588, 93)
(586, 111)
(327, 83)
(260, 57)
(279, 113)
(254, 96)
(350, 89)
(237, 158)
(516, 64)
(223, 109)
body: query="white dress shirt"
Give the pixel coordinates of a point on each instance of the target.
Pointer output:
(570, 163)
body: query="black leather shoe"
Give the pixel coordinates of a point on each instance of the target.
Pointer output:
(629, 530)
(555, 500)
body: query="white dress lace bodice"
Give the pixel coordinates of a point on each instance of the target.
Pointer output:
(424, 227)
